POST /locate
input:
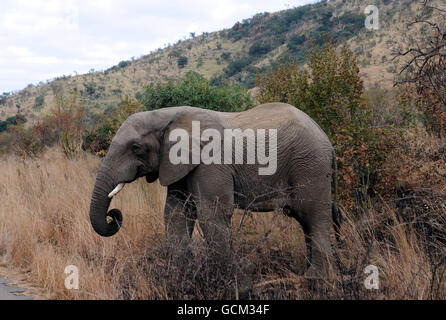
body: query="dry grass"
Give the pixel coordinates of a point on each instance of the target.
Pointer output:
(44, 226)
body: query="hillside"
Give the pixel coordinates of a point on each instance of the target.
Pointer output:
(236, 53)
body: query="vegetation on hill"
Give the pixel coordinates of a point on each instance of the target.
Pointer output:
(235, 54)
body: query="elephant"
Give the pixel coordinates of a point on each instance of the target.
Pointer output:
(300, 185)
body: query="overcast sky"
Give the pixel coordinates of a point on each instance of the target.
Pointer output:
(43, 39)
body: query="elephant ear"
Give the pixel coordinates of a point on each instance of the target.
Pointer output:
(181, 138)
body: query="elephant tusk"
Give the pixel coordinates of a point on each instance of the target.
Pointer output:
(116, 190)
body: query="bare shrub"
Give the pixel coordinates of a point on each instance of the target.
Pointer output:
(424, 64)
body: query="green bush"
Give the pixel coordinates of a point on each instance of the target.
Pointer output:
(38, 102)
(12, 121)
(260, 48)
(195, 90)
(90, 87)
(295, 42)
(182, 61)
(351, 23)
(123, 64)
(237, 66)
(226, 56)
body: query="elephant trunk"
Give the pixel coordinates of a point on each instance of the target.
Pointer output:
(99, 205)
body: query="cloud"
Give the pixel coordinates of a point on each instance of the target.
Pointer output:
(28, 18)
(19, 51)
(43, 39)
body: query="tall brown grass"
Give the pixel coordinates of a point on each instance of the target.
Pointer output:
(44, 227)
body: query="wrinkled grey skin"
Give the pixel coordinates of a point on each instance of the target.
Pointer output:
(301, 185)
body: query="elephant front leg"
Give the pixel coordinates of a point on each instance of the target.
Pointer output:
(213, 191)
(215, 222)
(179, 221)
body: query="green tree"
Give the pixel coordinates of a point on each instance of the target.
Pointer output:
(330, 91)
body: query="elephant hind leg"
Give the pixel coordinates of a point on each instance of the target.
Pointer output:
(320, 256)
(294, 213)
(316, 227)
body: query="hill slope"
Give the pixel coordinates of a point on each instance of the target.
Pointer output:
(236, 53)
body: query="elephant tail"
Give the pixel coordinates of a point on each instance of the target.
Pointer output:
(335, 211)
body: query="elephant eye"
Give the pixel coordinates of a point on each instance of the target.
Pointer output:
(137, 149)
